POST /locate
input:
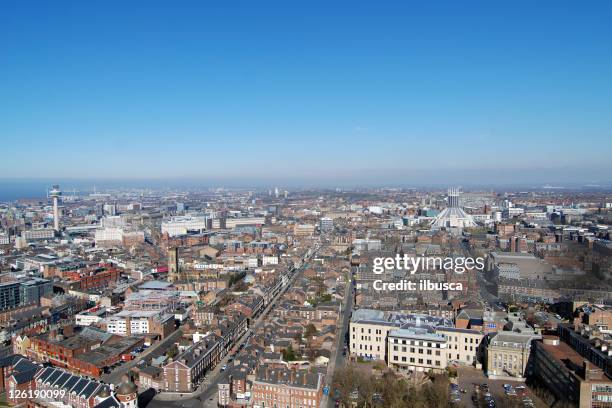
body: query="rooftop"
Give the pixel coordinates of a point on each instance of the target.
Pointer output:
(567, 356)
(512, 339)
(292, 378)
(417, 332)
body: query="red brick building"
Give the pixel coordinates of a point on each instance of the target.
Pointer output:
(98, 278)
(87, 353)
(16, 375)
(285, 387)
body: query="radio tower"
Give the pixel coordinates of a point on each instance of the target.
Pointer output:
(55, 193)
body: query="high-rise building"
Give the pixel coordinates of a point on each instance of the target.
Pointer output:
(22, 293)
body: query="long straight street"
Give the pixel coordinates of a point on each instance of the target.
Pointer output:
(206, 394)
(338, 358)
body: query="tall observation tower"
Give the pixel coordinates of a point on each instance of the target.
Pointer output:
(55, 194)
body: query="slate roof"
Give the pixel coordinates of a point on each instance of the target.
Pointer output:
(23, 377)
(19, 363)
(300, 378)
(75, 384)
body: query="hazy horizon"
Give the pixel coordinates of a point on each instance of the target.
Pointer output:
(27, 188)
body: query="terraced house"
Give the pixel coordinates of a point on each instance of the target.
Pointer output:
(185, 372)
(282, 387)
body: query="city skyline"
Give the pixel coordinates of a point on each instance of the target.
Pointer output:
(245, 204)
(35, 188)
(405, 93)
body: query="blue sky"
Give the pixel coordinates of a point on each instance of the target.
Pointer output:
(347, 91)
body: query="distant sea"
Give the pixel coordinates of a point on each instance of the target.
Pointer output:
(13, 190)
(16, 189)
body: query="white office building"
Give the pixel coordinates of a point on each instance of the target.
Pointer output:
(181, 225)
(361, 245)
(130, 322)
(109, 235)
(34, 234)
(114, 221)
(89, 317)
(326, 224)
(269, 260)
(417, 349)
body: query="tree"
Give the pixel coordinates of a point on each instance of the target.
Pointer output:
(379, 365)
(345, 381)
(240, 286)
(321, 288)
(389, 390)
(310, 331)
(289, 354)
(234, 278)
(171, 353)
(436, 394)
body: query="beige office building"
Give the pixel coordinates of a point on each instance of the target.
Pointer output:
(508, 356)
(463, 345)
(368, 338)
(417, 349)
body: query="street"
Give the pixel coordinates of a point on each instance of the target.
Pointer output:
(492, 301)
(206, 394)
(156, 350)
(338, 358)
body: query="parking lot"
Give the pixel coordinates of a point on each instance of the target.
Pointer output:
(468, 377)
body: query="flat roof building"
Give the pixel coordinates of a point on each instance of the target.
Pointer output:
(417, 349)
(570, 377)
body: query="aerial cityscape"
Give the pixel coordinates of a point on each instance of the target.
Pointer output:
(245, 298)
(273, 205)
